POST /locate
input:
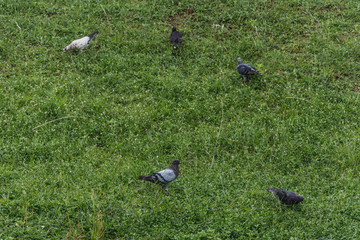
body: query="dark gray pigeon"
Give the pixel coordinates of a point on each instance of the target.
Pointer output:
(285, 196)
(175, 38)
(246, 69)
(81, 43)
(164, 177)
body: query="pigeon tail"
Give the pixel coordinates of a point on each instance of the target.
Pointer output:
(146, 178)
(91, 36)
(258, 73)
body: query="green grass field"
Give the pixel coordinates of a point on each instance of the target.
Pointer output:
(77, 129)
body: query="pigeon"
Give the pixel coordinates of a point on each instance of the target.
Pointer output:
(175, 38)
(285, 196)
(81, 43)
(164, 177)
(246, 69)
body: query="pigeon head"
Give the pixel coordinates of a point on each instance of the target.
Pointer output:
(239, 60)
(176, 162)
(174, 29)
(270, 189)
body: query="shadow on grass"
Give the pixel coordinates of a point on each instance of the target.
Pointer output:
(254, 82)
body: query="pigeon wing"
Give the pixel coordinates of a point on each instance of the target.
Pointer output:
(78, 44)
(294, 198)
(178, 37)
(288, 197)
(175, 37)
(83, 42)
(165, 176)
(282, 195)
(246, 69)
(242, 69)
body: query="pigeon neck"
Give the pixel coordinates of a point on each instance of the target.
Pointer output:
(175, 168)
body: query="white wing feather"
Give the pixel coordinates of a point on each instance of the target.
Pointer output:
(78, 44)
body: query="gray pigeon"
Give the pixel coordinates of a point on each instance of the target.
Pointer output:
(246, 69)
(175, 38)
(164, 177)
(285, 196)
(81, 43)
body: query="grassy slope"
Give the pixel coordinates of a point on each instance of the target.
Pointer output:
(127, 106)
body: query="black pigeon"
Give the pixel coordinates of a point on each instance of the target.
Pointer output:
(285, 196)
(164, 177)
(175, 38)
(246, 69)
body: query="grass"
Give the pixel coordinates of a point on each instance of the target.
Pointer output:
(77, 129)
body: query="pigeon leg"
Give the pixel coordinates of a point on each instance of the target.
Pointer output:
(245, 79)
(165, 189)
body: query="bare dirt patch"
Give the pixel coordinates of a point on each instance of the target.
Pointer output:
(181, 17)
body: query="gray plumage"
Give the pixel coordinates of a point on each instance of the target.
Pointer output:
(246, 70)
(81, 43)
(175, 38)
(285, 196)
(164, 177)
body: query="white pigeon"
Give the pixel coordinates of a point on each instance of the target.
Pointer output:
(81, 43)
